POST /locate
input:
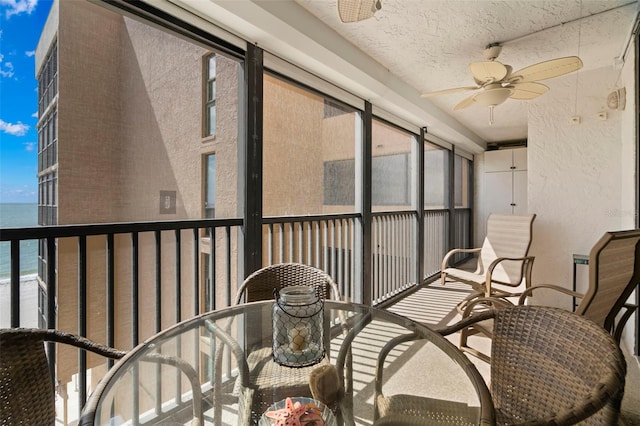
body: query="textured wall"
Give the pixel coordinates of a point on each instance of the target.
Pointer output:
(575, 172)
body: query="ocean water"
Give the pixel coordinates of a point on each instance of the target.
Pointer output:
(16, 215)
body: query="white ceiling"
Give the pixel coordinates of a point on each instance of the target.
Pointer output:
(414, 46)
(429, 44)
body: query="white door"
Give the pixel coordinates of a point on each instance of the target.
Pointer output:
(520, 192)
(498, 193)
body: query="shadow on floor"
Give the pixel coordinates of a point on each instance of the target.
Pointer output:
(435, 304)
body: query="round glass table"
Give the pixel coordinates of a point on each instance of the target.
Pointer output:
(219, 368)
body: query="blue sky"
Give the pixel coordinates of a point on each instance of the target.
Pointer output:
(21, 23)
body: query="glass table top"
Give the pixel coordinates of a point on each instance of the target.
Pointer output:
(219, 369)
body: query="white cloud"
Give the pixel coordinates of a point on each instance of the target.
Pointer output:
(6, 68)
(35, 114)
(29, 146)
(30, 53)
(16, 7)
(17, 129)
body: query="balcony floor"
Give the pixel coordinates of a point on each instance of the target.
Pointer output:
(441, 301)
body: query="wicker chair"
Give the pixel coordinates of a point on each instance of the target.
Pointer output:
(262, 369)
(504, 267)
(407, 410)
(27, 391)
(614, 272)
(89, 411)
(552, 367)
(260, 284)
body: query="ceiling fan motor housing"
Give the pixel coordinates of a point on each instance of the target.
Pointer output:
(492, 51)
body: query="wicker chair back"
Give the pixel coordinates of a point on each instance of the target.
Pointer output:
(260, 284)
(27, 391)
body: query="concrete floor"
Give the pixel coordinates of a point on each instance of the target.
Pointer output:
(443, 300)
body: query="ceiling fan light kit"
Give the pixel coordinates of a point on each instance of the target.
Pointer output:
(493, 97)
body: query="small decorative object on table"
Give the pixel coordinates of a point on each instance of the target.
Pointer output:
(324, 383)
(298, 326)
(298, 412)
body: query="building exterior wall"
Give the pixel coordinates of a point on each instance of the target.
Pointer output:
(88, 113)
(130, 112)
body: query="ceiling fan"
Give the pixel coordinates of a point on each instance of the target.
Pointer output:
(496, 82)
(357, 10)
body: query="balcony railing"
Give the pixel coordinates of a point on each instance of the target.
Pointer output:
(155, 274)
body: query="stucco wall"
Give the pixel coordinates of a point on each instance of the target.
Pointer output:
(575, 173)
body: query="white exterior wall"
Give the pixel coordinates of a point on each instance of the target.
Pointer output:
(49, 32)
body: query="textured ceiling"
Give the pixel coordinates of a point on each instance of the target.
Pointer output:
(428, 44)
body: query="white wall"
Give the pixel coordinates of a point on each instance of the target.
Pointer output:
(581, 176)
(575, 173)
(629, 131)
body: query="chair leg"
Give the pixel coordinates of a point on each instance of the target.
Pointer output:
(464, 345)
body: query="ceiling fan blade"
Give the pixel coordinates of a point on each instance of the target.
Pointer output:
(488, 71)
(447, 91)
(466, 102)
(528, 90)
(509, 71)
(357, 10)
(547, 69)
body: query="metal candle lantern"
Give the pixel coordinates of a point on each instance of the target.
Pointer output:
(298, 326)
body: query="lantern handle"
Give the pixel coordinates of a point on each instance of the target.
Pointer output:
(276, 294)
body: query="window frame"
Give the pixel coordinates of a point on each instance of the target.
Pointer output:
(209, 103)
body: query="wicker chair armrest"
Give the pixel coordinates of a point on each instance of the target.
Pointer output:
(386, 349)
(191, 374)
(466, 322)
(90, 408)
(490, 302)
(222, 333)
(382, 356)
(238, 353)
(529, 291)
(71, 339)
(344, 365)
(450, 253)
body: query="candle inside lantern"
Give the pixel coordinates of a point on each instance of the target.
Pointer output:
(298, 337)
